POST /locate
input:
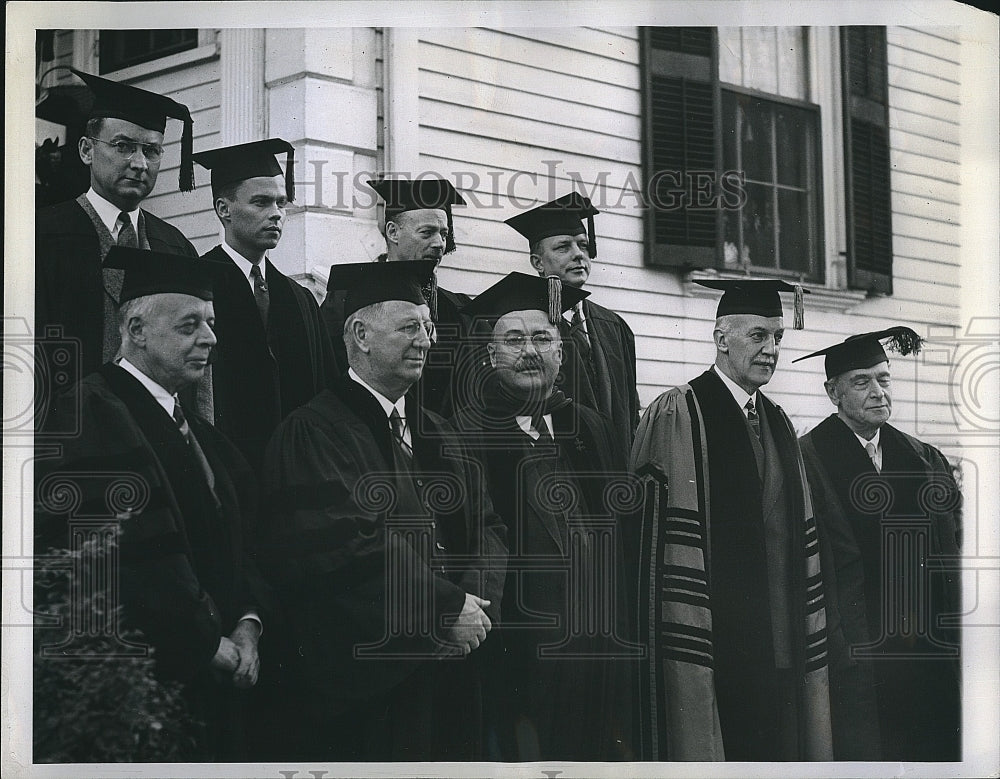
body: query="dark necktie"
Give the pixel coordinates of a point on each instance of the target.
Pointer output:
(579, 334)
(398, 427)
(752, 418)
(260, 293)
(126, 234)
(196, 450)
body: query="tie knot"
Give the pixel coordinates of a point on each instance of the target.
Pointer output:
(255, 272)
(123, 219)
(870, 448)
(751, 409)
(178, 412)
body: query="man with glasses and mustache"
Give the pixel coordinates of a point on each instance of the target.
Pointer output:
(731, 601)
(382, 543)
(556, 691)
(896, 696)
(123, 148)
(274, 353)
(418, 225)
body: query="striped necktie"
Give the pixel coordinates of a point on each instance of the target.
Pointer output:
(398, 427)
(196, 450)
(752, 418)
(260, 294)
(126, 232)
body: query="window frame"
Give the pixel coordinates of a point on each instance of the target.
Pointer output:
(151, 55)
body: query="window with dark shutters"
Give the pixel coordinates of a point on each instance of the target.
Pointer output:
(682, 151)
(866, 155)
(124, 48)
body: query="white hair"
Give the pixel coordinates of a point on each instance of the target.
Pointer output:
(140, 307)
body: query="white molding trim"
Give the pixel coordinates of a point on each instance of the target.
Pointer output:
(402, 99)
(820, 298)
(241, 82)
(165, 64)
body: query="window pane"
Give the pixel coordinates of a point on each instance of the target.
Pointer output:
(793, 231)
(753, 124)
(792, 149)
(757, 222)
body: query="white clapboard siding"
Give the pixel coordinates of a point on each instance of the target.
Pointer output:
(494, 103)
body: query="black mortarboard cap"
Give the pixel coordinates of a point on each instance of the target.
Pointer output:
(154, 273)
(401, 195)
(523, 292)
(249, 160)
(367, 283)
(866, 350)
(562, 216)
(755, 296)
(113, 100)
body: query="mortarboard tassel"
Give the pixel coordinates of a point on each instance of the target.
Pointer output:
(186, 174)
(449, 244)
(430, 291)
(555, 299)
(592, 244)
(798, 307)
(904, 340)
(290, 175)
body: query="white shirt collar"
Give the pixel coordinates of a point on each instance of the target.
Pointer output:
(738, 393)
(160, 395)
(874, 439)
(386, 404)
(108, 212)
(524, 422)
(244, 264)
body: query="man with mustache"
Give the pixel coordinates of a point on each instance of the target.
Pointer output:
(184, 576)
(383, 544)
(731, 604)
(123, 148)
(896, 696)
(274, 353)
(598, 346)
(557, 690)
(418, 225)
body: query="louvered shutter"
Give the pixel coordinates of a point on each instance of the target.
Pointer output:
(866, 156)
(681, 109)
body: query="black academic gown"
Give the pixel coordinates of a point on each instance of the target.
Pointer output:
(260, 376)
(349, 534)
(900, 700)
(563, 706)
(752, 692)
(607, 382)
(185, 576)
(451, 367)
(69, 289)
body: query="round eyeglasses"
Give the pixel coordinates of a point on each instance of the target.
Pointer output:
(541, 341)
(127, 149)
(412, 329)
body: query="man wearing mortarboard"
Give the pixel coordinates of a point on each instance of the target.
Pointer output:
(179, 492)
(418, 225)
(731, 604)
(890, 509)
(123, 148)
(558, 684)
(382, 543)
(273, 353)
(598, 346)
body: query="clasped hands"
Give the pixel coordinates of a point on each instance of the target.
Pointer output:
(237, 654)
(471, 625)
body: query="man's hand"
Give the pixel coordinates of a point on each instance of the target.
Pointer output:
(227, 656)
(472, 625)
(244, 637)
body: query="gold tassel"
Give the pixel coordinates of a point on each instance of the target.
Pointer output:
(799, 308)
(555, 299)
(290, 175)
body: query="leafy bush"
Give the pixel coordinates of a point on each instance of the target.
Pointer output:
(96, 697)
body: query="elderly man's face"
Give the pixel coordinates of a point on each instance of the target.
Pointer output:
(863, 398)
(178, 338)
(565, 256)
(526, 353)
(418, 235)
(124, 181)
(398, 343)
(748, 347)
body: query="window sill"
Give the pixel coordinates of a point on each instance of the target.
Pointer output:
(156, 67)
(827, 299)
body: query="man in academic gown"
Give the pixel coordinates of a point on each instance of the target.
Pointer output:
(273, 353)
(731, 603)
(598, 346)
(419, 226)
(383, 544)
(878, 493)
(123, 148)
(559, 686)
(183, 493)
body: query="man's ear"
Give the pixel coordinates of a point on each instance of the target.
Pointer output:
(536, 263)
(86, 149)
(136, 331)
(721, 341)
(558, 352)
(359, 334)
(491, 350)
(391, 231)
(222, 209)
(831, 391)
